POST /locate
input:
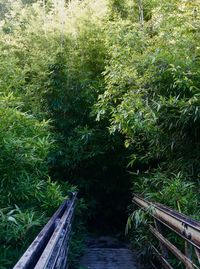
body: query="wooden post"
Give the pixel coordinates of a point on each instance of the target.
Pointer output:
(163, 248)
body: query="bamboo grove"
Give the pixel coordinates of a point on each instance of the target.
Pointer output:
(102, 97)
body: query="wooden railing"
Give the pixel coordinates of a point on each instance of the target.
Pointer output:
(185, 227)
(49, 250)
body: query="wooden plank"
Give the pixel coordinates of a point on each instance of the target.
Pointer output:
(61, 244)
(109, 258)
(163, 261)
(46, 255)
(177, 253)
(184, 226)
(32, 254)
(44, 239)
(181, 224)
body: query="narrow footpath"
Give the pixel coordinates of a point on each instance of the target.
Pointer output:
(108, 253)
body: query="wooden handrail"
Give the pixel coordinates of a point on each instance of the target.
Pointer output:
(181, 224)
(49, 250)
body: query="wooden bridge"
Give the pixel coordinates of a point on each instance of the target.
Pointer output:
(50, 248)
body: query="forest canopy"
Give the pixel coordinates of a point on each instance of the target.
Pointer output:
(99, 95)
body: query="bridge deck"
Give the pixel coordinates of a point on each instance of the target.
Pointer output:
(108, 255)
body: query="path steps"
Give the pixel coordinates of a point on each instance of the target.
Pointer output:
(108, 253)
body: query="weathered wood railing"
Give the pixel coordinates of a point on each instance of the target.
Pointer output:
(49, 250)
(183, 226)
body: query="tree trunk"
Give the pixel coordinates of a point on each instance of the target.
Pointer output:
(141, 13)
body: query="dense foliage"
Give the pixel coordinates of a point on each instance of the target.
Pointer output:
(99, 94)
